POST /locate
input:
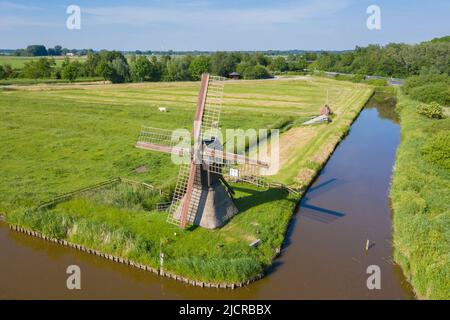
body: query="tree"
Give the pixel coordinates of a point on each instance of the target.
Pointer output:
(279, 64)
(177, 70)
(8, 71)
(36, 69)
(116, 71)
(258, 72)
(56, 51)
(70, 70)
(91, 64)
(261, 59)
(198, 66)
(141, 69)
(250, 70)
(224, 63)
(113, 66)
(36, 50)
(158, 69)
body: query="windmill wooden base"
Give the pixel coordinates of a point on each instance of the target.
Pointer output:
(213, 206)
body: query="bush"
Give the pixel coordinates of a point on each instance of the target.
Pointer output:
(37, 69)
(116, 71)
(437, 149)
(432, 110)
(358, 78)
(377, 82)
(419, 81)
(438, 92)
(252, 71)
(70, 70)
(344, 77)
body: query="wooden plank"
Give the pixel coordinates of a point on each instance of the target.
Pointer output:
(237, 158)
(159, 148)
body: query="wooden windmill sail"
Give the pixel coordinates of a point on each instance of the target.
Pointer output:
(202, 196)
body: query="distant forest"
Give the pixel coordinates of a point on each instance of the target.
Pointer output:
(392, 60)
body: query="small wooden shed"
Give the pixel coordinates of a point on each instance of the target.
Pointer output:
(234, 76)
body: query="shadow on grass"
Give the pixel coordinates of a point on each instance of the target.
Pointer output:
(258, 197)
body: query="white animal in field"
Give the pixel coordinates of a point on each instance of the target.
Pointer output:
(162, 109)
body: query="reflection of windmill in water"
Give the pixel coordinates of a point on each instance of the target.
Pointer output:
(315, 212)
(202, 196)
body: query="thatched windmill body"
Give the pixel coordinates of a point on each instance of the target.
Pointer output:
(202, 196)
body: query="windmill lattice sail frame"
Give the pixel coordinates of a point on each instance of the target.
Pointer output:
(208, 160)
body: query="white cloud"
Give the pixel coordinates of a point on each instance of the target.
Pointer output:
(144, 15)
(7, 5)
(15, 22)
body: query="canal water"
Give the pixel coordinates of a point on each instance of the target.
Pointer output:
(324, 255)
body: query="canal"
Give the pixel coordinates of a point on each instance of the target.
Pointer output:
(324, 256)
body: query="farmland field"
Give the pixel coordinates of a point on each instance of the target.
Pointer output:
(19, 62)
(59, 138)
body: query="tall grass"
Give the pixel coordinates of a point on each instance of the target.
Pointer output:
(116, 221)
(420, 199)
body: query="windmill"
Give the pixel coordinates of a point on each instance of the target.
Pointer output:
(202, 196)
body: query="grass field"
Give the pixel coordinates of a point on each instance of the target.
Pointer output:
(420, 200)
(59, 138)
(18, 62)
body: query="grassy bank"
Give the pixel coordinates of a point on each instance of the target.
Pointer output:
(120, 221)
(420, 200)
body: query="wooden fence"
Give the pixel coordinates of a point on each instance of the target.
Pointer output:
(101, 185)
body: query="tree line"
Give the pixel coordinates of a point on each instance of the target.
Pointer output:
(393, 60)
(117, 68)
(38, 50)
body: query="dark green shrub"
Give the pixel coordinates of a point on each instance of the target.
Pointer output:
(358, 78)
(432, 110)
(419, 81)
(344, 77)
(377, 82)
(438, 92)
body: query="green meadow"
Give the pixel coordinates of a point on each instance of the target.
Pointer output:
(18, 62)
(58, 138)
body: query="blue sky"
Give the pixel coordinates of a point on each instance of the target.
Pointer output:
(220, 25)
